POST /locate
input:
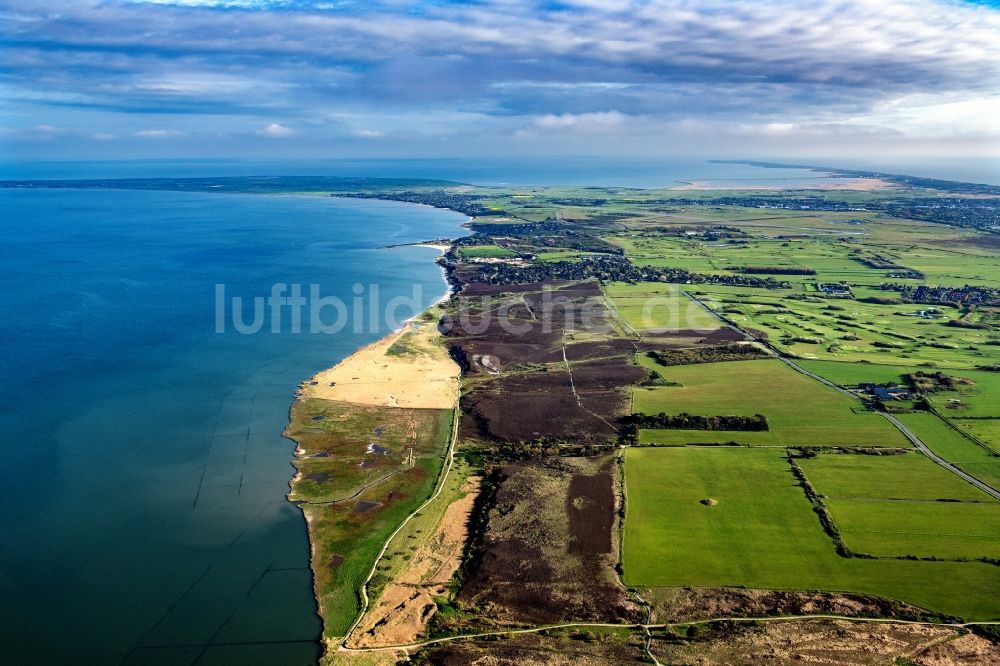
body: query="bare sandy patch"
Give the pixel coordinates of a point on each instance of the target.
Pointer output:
(856, 184)
(440, 247)
(408, 368)
(967, 650)
(406, 606)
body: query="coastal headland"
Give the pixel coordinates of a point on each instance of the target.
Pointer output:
(374, 435)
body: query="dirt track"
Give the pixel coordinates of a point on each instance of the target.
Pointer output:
(406, 606)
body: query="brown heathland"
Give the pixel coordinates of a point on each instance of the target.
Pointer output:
(549, 550)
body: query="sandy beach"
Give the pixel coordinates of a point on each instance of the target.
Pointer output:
(407, 368)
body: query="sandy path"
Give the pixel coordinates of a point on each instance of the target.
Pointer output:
(407, 605)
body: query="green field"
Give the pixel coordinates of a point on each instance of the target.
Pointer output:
(800, 411)
(485, 252)
(890, 506)
(664, 307)
(980, 398)
(763, 533)
(923, 529)
(986, 430)
(562, 255)
(852, 374)
(951, 445)
(650, 250)
(803, 322)
(911, 476)
(648, 437)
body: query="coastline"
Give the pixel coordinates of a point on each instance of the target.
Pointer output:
(381, 369)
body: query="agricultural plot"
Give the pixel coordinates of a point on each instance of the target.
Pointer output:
(800, 411)
(651, 437)
(977, 396)
(956, 267)
(909, 476)
(646, 250)
(654, 308)
(905, 505)
(560, 255)
(986, 430)
(970, 456)
(943, 530)
(733, 516)
(852, 374)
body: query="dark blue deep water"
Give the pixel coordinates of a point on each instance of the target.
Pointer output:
(142, 468)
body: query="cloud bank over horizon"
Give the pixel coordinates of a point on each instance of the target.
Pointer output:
(717, 78)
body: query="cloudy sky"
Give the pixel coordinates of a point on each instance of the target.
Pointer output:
(717, 78)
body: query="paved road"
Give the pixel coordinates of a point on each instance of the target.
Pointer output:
(909, 434)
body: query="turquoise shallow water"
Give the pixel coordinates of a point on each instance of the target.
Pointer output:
(143, 469)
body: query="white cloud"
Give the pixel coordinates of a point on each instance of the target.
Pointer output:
(157, 134)
(581, 122)
(276, 131)
(772, 71)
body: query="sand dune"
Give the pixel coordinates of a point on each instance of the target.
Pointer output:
(408, 368)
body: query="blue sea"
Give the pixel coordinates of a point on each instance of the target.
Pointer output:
(144, 471)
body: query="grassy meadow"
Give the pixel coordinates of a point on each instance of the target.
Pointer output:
(910, 476)
(658, 307)
(972, 457)
(943, 530)
(762, 533)
(800, 411)
(485, 252)
(362, 471)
